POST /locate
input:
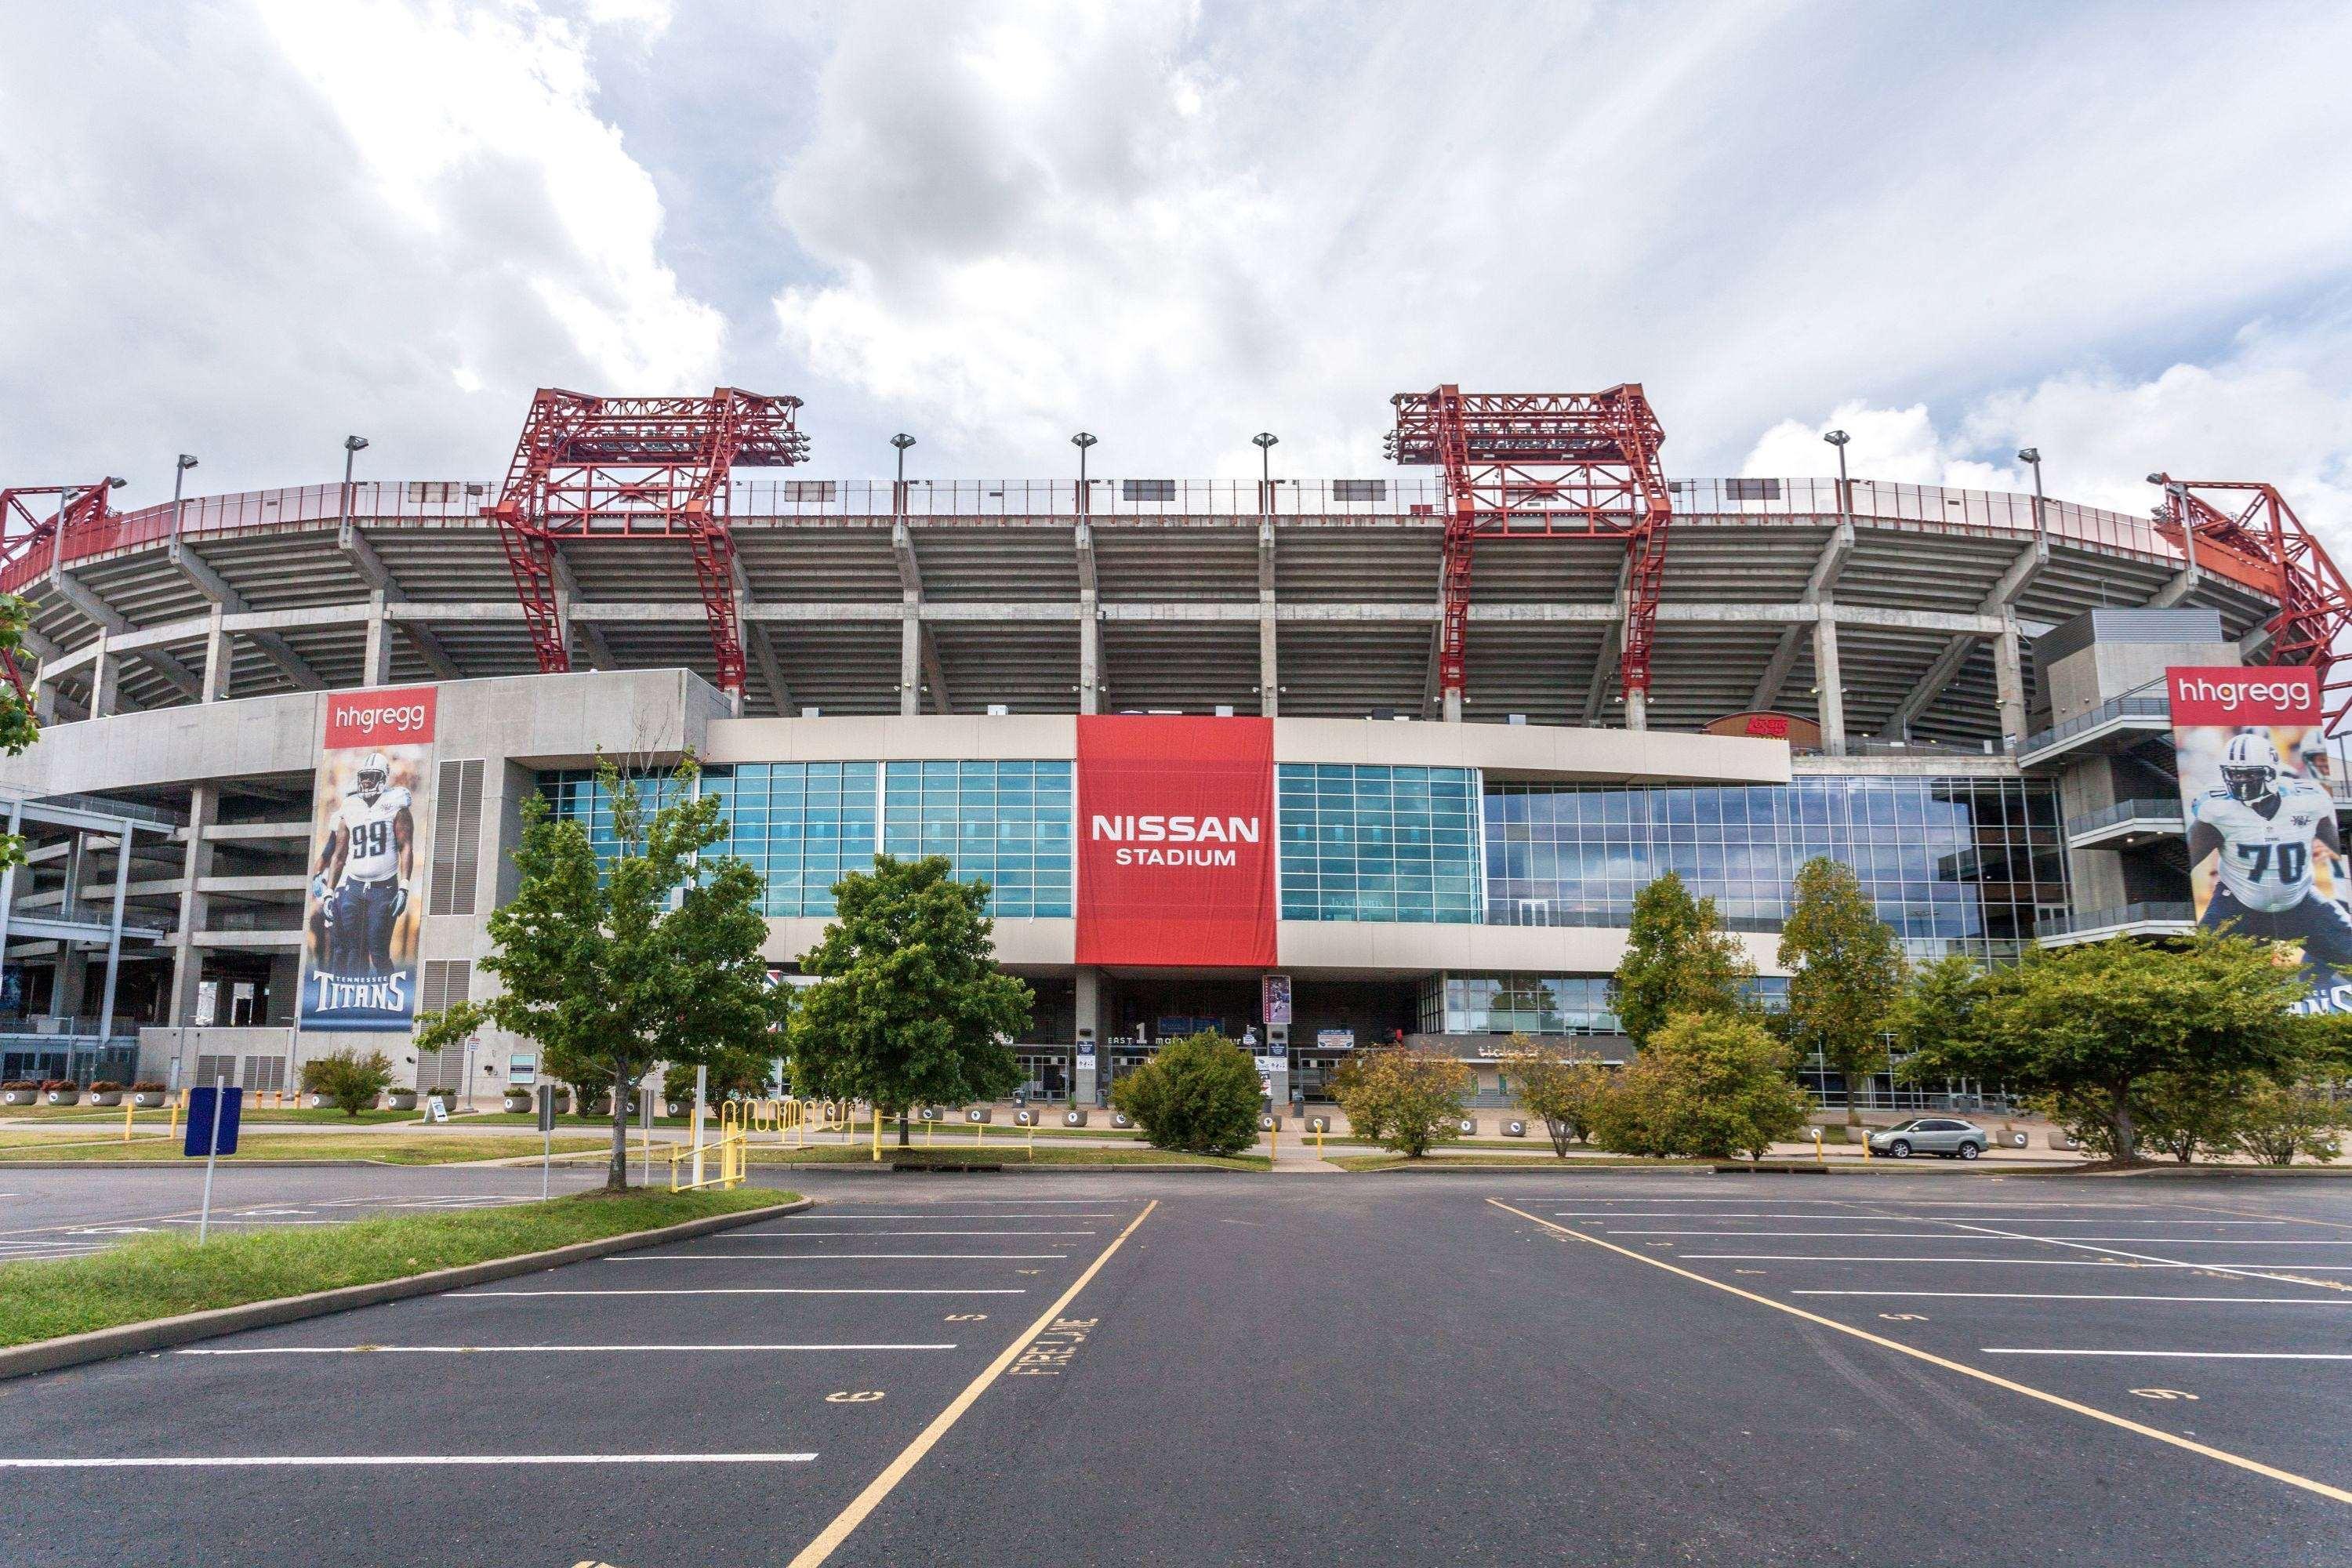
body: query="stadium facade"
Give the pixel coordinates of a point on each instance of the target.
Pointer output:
(1196, 735)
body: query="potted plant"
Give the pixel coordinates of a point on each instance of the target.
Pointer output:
(106, 1092)
(518, 1102)
(1076, 1116)
(61, 1092)
(318, 1099)
(447, 1097)
(402, 1099)
(562, 1100)
(20, 1092)
(149, 1095)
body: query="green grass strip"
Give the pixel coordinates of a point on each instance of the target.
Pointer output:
(151, 1277)
(392, 1148)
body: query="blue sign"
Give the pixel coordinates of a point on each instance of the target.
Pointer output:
(200, 1122)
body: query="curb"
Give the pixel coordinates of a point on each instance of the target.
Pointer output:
(162, 1333)
(241, 1165)
(1017, 1168)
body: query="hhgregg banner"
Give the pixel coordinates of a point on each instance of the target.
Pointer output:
(1176, 841)
(365, 907)
(2265, 858)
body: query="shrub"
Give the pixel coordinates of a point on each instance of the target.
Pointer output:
(1564, 1088)
(1709, 1085)
(2278, 1121)
(18, 1085)
(149, 1086)
(354, 1080)
(106, 1086)
(50, 1085)
(1405, 1100)
(1200, 1094)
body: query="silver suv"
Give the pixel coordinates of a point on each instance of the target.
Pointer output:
(1944, 1135)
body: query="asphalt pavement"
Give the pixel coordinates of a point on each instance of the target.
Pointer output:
(1472, 1366)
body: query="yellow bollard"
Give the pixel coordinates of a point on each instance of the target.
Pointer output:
(878, 1134)
(1319, 1143)
(1032, 1142)
(172, 1104)
(980, 1133)
(1819, 1158)
(1273, 1140)
(129, 1108)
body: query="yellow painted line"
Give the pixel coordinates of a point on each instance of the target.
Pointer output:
(845, 1523)
(2222, 1456)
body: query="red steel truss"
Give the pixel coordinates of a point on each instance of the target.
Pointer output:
(27, 531)
(2246, 531)
(636, 468)
(1541, 466)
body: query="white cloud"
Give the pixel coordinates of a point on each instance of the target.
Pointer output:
(2272, 408)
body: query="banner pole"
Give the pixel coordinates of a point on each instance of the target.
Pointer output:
(212, 1156)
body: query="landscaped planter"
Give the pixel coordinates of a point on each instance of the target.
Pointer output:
(447, 1097)
(62, 1096)
(148, 1098)
(562, 1102)
(403, 1098)
(109, 1098)
(317, 1101)
(518, 1102)
(1074, 1116)
(21, 1094)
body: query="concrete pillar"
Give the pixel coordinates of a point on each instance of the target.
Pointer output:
(105, 675)
(1830, 682)
(285, 987)
(218, 653)
(45, 699)
(1086, 1079)
(1637, 710)
(1090, 656)
(2009, 682)
(910, 664)
(1452, 711)
(196, 863)
(377, 667)
(1269, 672)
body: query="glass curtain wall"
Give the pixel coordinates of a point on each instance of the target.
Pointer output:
(1387, 844)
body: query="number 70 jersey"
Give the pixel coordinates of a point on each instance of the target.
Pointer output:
(2266, 861)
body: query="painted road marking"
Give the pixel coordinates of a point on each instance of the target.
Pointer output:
(531, 1350)
(1947, 1235)
(845, 1523)
(2144, 1259)
(759, 1290)
(2049, 1296)
(796, 1235)
(233, 1461)
(2183, 1356)
(2125, 1260)
(1870, 1218)
(2238, 1461)
(830, 1256)
(832, 1215)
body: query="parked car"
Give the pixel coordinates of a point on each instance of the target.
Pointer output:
(1946, 1135)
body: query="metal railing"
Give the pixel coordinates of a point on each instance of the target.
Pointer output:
(2151, 808)
(2122, 915)
(2105, 713)
(459, 502)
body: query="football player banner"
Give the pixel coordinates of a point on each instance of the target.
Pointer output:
(365, 907)
(2265, 857)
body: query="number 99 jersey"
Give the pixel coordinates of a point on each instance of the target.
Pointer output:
(374, 854)
(2266, 861)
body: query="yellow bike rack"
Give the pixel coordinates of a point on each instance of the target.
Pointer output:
(726, 1157)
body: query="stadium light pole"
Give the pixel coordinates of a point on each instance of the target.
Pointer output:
(179, 476)
(898, 490)
(2033, 457)
(1264, 441)
(352, 447)
(1838, 438)
(1082, 440)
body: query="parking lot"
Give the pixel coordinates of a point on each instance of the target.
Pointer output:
(1468, 1366)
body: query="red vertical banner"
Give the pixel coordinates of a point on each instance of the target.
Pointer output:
(1176, 841)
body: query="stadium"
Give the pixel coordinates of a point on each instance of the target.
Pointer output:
(1319, 762)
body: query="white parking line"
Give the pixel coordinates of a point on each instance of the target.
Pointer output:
(2185, 1355)
(2014, 1262)
(1839, 1235)
(229, 1461)
(832, 1215)
(833, 1256)
(2150, 1260)
(531, 1349)
(2337, 1301)
(796, 1235)
(1873, 1219)
(754, 1290)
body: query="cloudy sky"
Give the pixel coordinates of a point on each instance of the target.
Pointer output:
(246, 228)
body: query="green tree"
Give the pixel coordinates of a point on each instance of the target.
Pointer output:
(1709, 1084)
(652, 957)
(1678, 959)
(1200, 1093)
(2086, 1026)
(2184, 1114)
(351, 1079)
(910, 1008)
(1563, 1087)
(730, 1071)
(18, 729)
(1405, 1099)
(2279, 1121)
(1845, 975)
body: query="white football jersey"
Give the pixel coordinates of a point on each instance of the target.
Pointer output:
(2266, 862)
(374, 854)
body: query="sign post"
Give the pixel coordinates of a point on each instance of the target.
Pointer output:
(212, 1132)
(546, 1135)
(701, 1081)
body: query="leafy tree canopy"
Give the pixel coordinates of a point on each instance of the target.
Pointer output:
(910, 1008)
(1407, 1101)
(1563, 1087)
(1845, 975)
(1678, 959)
(1709, 1084)
(1200, 1093)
